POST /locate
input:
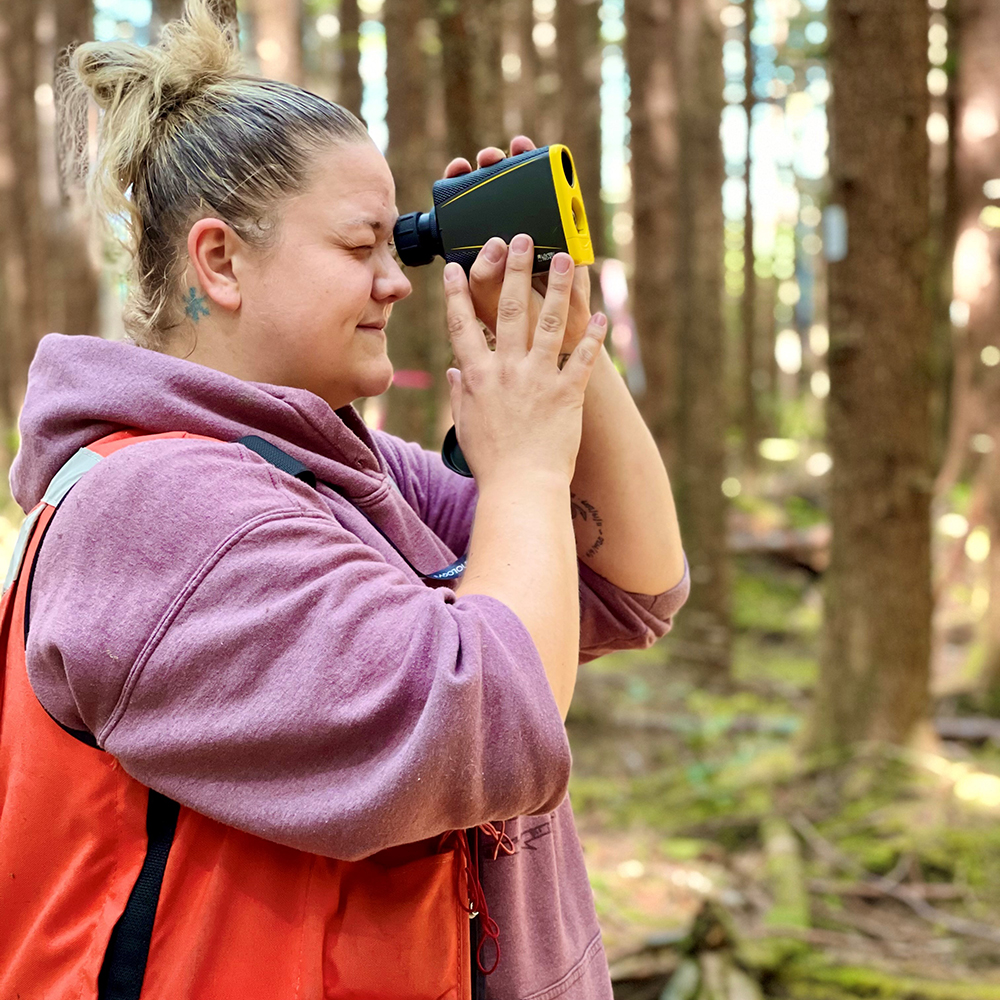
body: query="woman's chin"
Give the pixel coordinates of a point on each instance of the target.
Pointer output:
(377, 382)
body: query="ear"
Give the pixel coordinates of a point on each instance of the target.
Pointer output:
(212, 246)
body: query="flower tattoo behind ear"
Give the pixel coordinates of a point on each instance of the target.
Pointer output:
(194, 305)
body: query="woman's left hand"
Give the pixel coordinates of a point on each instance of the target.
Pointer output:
(486, 276)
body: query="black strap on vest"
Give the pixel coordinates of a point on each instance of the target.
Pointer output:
(125, 960)
(282, 460)
(124, 964)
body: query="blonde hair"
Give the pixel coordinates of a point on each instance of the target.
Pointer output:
(186, 133)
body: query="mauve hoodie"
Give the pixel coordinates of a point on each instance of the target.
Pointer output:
(256, 650)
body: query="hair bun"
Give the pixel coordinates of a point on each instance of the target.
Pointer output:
(192, 53)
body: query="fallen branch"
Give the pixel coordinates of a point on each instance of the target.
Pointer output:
(871, 890)
(968, 727)
(957, 925)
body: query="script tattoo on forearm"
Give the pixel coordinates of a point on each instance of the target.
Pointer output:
(586, 512)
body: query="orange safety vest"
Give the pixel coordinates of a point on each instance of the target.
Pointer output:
(111, 891)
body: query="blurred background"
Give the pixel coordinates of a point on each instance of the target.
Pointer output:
(795, 206)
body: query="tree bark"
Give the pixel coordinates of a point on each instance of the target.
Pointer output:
(22, 228)
(527, 86)
(73, 274)
(278, 39)
(748, 303)
(456, 64)
(486, 27)
(876, 642)
(471, 32)
(655, 177)
(416, 340)
(703, 637)
(578, 45)
(674, 48)
(349, 90)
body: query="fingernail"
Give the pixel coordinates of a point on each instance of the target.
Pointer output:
(520, 244)
(561, 263)
(493, 251)
(452, 271)
(600, 319)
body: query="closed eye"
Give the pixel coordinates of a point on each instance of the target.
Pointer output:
(368, 247)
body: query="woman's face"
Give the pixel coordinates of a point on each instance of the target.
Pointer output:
(314, 305)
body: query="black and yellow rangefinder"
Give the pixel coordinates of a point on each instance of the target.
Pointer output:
(536, 192)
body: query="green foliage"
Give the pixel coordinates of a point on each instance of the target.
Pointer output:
(812, 978)
(771, 604)
(803, 513)
(780, 665)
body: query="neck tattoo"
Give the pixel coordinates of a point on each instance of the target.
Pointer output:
(194, 305)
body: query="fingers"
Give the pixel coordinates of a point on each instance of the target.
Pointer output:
(490, 155)
(467, 340)
(581, 362)
(460, 165)
(485, 280)
(551, 326)
(515, 298)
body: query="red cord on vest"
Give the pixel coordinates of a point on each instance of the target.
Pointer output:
(503, 842)
(477, 901)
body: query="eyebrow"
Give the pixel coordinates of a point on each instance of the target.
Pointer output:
(372, 223)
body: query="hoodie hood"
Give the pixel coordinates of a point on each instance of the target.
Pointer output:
(82, 388)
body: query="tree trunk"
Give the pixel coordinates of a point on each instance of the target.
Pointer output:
(73, 275)
(456, 64)
(416, 340)
(703, 637)
(748, 303)
(22, 232)
(471, 33)
(527, 85)
(349, 89)
(674, 50)
(278, 39)
(874, 669)
(653, 114)
(579, 52)
(486, 28)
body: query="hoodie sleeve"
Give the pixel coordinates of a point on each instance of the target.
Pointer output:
(611, 619)
(255, 661)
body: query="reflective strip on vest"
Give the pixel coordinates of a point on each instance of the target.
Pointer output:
(63, 481)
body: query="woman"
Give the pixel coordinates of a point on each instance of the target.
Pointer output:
(268, 647)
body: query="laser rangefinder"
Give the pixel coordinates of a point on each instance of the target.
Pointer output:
(536, 192)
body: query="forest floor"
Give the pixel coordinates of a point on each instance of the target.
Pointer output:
(725, 866)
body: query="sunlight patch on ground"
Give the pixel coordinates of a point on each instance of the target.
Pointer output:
(979, 788)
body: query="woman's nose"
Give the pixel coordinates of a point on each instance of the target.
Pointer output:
(391, 283)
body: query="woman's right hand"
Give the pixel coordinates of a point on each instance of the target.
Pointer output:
(515, 411)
